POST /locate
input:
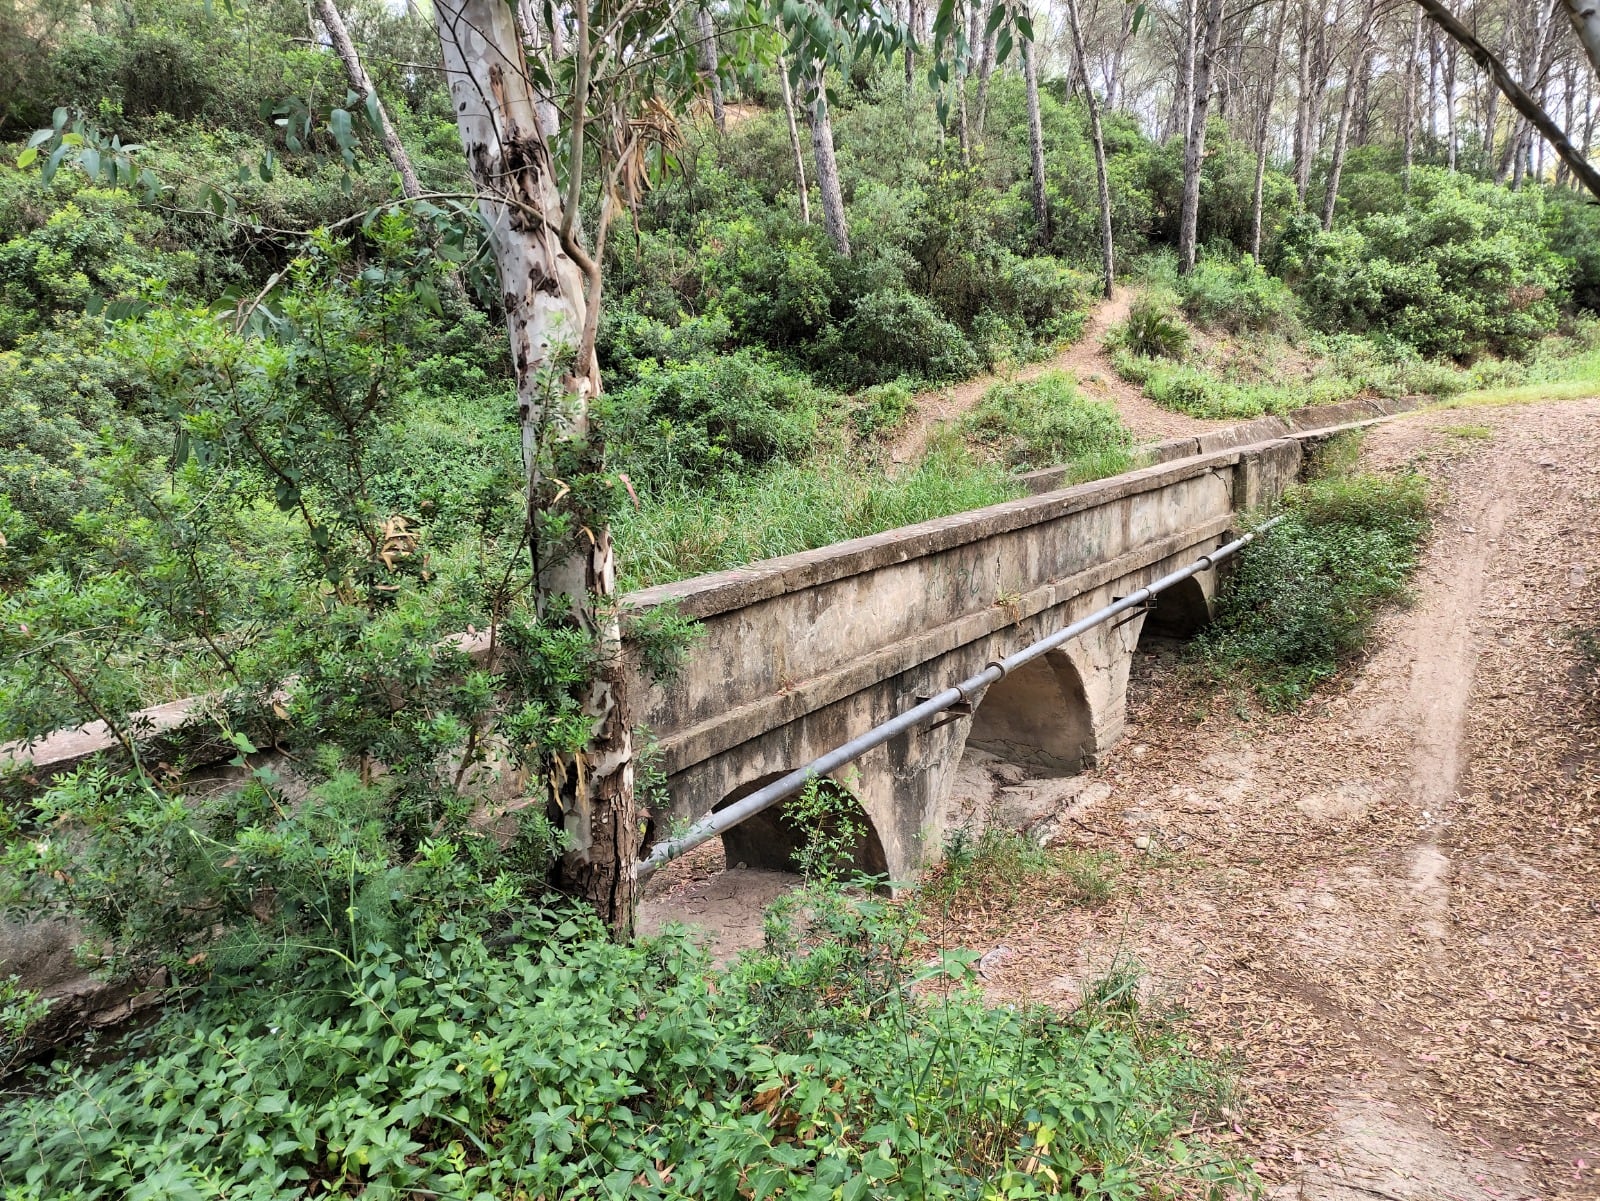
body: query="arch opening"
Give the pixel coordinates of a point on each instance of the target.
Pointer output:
(1179, 613)
(773, 840)
(1037, 715)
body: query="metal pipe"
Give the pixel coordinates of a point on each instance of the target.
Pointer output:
(713, 824)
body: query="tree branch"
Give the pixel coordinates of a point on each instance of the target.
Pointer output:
(1520, 100)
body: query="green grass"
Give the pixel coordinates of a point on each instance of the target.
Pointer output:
(1001, 863)
(685, 530)
(1046, 422)
(1469, 431)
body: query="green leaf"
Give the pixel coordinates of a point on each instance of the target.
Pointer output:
(25, 159)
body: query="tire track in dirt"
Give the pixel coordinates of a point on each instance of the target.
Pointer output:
(1382, 905)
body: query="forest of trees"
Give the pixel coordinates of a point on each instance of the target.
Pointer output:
(269, 445)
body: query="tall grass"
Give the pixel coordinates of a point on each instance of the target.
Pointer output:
(1047, 422)
(680, 530)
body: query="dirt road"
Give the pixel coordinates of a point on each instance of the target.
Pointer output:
(1385, 908)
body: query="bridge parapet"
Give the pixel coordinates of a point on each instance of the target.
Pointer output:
(802, 652)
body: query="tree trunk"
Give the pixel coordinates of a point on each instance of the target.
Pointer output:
(1302, 107)
(1450, 107)
(1410, 117)
(1585, 18)
(985, 69)
(912, 20)
(1183, 107)
(1194, 149)
(1041, 203)
(1263, 128)
(550, 286)
(827, 166)
(1118, 53)
(1341, 138)
(707, 33)
(794, 142)
(360, 81)
(1108, 252)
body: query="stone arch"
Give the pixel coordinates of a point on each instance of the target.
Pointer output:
(1038, 714)
(769, 841)
(1182, 611)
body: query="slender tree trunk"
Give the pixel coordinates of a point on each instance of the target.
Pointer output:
(1346, 106)
(827, 165)
(1118, 54)
(1450, 107)
(985, 70)
(360, 81)
(1183, 115)
(1041, 203)
(1108, 250)
(1194, 149)
(1413, 67)
(794, 142)
(1302, 108)
(913, 17)
(550, 285)
(707, 33)
(1263, 128)
(1491, 117)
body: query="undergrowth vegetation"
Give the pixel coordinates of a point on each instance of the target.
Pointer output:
(1301, 600)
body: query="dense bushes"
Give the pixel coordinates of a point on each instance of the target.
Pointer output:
(1302, 598)
(891, 334)
(557, 1063)
(1236, 296)
(723, 413)
(1461, 268)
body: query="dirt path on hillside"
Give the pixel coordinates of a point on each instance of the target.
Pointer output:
(1385, 908)
(1086, 359)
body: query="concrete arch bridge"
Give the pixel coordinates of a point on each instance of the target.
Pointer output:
(804, 652)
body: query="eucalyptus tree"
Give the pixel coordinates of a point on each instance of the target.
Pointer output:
(620, 74)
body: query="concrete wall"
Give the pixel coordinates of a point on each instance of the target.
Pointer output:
(805, 652)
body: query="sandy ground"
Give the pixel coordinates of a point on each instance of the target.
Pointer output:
(1384, 908)
(1086, 359)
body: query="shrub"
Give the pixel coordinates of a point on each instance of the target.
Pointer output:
(691, 419)
(1153, 330)
(1045, 422)
(1303, 598)
(1462, 269)
(630, 341)
(1236, 296)
(558, 1063)
(890, 335)
(882, 408)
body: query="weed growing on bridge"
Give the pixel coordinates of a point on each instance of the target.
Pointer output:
(1304, 598)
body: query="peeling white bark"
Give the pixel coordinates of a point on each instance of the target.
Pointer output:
(550, 287)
